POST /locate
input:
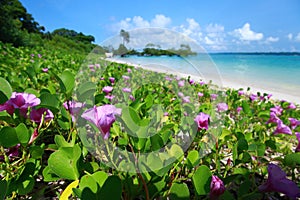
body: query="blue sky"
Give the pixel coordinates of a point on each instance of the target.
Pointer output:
(216, 25)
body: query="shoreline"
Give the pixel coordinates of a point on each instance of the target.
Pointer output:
(225, 83)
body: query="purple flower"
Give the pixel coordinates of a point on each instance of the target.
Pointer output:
(292, 106)
(294, 122)
(92, 68)
(262, 98)
(277, 182)
(11, 152)
(277, 110)
(97, 65)
(201, 83)
(37, 114)
(186, 99)
(103, 117)
(200, 94)
(112, 80)
(239, 109)
(125, 77)
(213, 97)
(222, 107)
(107, 89)
(282, 128)
(74, 108)
(298, 138)
(166, 114)
(217, 187)
(241, 92)
(109, 97)
(45, 70)
(269, 96)
(32, 55)
(102, 79)
(131, 98)
(202, 121)
(191, 81)
(128, 90)
(128, 70)
(39, 55)
(8, 107)
(273, 118)
(253, 97)
(22, 101)
(181, 83)
(168, 78)
(180, 94)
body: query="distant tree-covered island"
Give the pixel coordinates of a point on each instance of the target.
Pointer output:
(150, 49)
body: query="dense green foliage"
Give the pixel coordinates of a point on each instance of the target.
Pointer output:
(237, 146)
(19, 28)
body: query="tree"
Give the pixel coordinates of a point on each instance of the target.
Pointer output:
(15, 22)
(122, 50)
(125, 36)
(73, 35)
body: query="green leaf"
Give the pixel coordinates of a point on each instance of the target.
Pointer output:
(179, 191)
(154, 162)
(5, 90)
(67, 82)
(244, 188)
(292, 159)
(86, 91)
(246, 108)
(61, 142)
(87, 181)
(242, 145)
(176, 151)
(64, 162)
(49, 175)
(111, 182)
(22, 134)
(26, 186)
(193, 158)
(49, 101)
(36, 152)
(156, 142)
(3, 189)
(8, 137)
(201, 180)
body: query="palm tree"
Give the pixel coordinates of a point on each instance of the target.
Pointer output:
(125, 36)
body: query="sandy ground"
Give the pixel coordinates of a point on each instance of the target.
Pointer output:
(278, 95)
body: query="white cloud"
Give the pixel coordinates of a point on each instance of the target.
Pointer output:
(191, 29)
(160, 21)
(297, 38)
(290, 36)
(139, 22)
(215, 28)
(215, 37)
(246, 34)
(272, 39)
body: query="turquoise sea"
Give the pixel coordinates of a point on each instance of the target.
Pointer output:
(278, 72)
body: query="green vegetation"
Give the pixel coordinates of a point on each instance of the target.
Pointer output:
(20, 29)
(231, 134)
(77, 126)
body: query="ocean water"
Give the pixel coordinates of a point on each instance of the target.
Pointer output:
(272, 72)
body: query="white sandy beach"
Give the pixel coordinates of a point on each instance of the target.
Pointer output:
(222, 82)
